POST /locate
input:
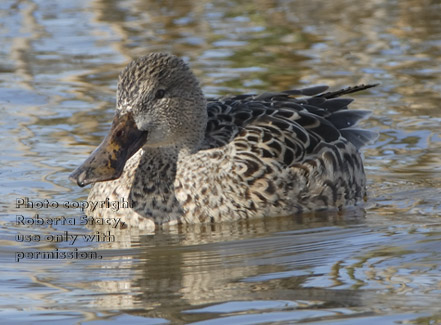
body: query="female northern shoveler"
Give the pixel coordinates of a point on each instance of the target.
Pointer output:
(178, 157)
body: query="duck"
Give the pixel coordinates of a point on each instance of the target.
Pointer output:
(173, 156)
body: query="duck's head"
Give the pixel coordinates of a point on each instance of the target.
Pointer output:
(159, 104)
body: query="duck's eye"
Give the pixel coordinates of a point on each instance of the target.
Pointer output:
(160, 93)
(119, 133)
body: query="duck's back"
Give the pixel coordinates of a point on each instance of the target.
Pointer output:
(313, 118)
(276, 153)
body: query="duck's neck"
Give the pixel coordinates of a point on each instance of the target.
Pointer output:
(191, 137)
(192, 143)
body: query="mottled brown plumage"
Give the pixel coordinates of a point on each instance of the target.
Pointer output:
(212, 160)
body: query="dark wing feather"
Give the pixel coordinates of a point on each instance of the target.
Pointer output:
(283, 127)
(345, 91)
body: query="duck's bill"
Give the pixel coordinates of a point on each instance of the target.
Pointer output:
(108, 160)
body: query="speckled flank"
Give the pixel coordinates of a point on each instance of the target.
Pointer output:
(210, 160)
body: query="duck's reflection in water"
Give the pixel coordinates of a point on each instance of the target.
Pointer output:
(184, 268)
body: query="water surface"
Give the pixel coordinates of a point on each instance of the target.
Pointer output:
(58, 70)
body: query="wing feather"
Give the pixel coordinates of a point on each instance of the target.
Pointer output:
(283, 127)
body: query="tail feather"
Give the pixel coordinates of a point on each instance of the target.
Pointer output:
(359, 137)
(347, 118)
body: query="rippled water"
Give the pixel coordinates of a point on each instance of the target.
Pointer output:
(58, 69)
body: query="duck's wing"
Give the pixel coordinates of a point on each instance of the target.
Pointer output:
(287, 127)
